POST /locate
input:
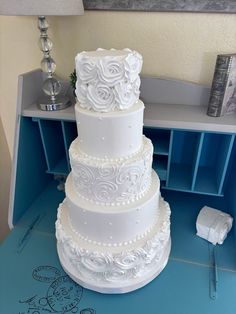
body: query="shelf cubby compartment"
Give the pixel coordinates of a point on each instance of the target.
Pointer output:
(69, 131)
(213, 163)
(160, 163)
(184, 154)
(53, 145)
(160, 139)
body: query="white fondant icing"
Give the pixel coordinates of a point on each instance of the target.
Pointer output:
(123, 217)
(108, 80)
(111, 181)
(112, 137)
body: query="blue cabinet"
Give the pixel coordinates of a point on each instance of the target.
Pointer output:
(196, 163)
(192, 161)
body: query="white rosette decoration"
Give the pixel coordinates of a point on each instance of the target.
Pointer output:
(97, 262)
(136, 86)
(133, 64)
(129, 260)
(109, 81)
(110, 72)
(86, 70)
(81, 93)
(104, 191)
(83, 177)
(108, 171)
(125, 96)
(100, 97)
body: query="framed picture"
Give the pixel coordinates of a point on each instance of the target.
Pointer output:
(223, 90)
(209, 6)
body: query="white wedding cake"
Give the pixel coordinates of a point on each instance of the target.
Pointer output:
(113, 228)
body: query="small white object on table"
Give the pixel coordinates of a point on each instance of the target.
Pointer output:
(213, 225)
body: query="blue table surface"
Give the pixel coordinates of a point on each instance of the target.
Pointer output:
(32, 280)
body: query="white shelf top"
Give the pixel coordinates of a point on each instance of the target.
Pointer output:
(187, 117)
(65, 114)
(158, 115)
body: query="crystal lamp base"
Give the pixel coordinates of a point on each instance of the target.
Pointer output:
(61, 102)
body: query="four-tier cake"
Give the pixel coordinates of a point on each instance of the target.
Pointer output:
(113, 228)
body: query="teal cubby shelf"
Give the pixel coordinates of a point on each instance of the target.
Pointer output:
(56, 137)
(53, 144)
(180, 177)
(160, 165)
(60, 168)
(214, 158)
(183, 158)
(198, 161)
(160, 139)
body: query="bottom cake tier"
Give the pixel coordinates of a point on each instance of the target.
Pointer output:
(114, 269)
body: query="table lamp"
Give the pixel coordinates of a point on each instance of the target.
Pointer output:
(53, 99)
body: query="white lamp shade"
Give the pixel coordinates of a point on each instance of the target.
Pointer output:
(41, 7)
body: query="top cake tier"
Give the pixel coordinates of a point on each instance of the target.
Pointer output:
(108, 80)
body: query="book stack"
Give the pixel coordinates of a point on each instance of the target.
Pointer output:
(223, 90)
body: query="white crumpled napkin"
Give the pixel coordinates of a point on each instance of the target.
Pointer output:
(213, 225)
